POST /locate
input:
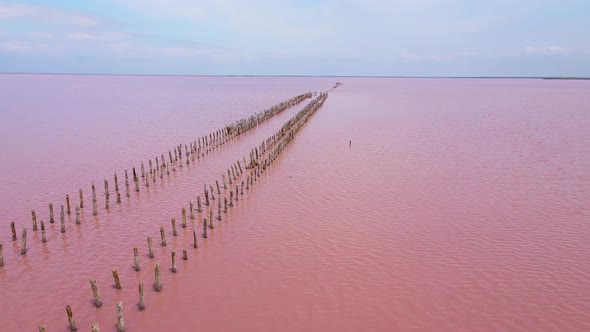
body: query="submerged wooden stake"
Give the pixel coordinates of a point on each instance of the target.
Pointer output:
(141, 304)
(136, 259)
(199, 209)
(68, 211)
(13, 230)
(163, 236)
(95, 293)
(43, 236)
(78, 221)
(23, 247)
(206, 197)
(174, 231)
(63, 220)
(127, 184)
(211, 219)
(219, 209)
(94, 204)
(204, 228)
(120, 321)
(150, 247)
(71, 320)
(184, 255)
(173, 269)
(81, 199)
(1, 255)
(158, 283)
(191, 208)
(224, 204)
(51, 219)
(183, 218)
(194, 238)
(34, 217)
(116, 278)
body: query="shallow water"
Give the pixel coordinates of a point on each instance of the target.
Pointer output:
(461, 205)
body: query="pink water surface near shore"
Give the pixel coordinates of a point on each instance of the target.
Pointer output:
(462, 205)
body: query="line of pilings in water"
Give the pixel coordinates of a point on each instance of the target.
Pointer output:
(140, 176)
(240, 180)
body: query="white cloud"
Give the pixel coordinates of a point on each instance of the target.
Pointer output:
(46, 14)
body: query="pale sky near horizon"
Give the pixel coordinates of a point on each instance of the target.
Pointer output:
(289, 37)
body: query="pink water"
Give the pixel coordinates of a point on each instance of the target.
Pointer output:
(462, 205)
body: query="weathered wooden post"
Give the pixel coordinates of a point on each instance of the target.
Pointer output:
(136, 259)
(183, 218)
(81, 199)
(117, 280)
(127, 185)
(1, 255)
(219, 209)
(23, 247)
(206, 197)
(95, 293)
(141, 304)
(158, 283)
(63, 220)
(51, 219)
(78, 221)
(120, 321)
(224, 204)
(218, 190)
(237, 193)
(231, 198)
(68, 210)
(173, 269)
(34, 217)
(174, 231)
(204, 228)
(13, 230)
(150, 247)
(195, 238)
(242, 189)
(211, 218)
(223, 178)
(94, 204)
(43, 236)
(184, 255)
(163, 236)
(199, 209)
(135, 180)
(191, 208)
(71, 320)
(142, 171)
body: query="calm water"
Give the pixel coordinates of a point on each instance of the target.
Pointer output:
(462, 205)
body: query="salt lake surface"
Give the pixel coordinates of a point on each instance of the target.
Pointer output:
(460, 205)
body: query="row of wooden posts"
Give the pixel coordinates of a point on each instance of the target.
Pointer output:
(198, 148)
(266, 153)
(260, 157)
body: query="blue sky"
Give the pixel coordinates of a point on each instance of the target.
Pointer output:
(288, 37)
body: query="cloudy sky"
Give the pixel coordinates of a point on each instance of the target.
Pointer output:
(298, 37)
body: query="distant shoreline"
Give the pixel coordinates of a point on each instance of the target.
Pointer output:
(317, 76)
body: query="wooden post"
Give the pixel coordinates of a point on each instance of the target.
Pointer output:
(94, 204)
(120, 321)
(34, 217)
(195, 238)
(118, 197)
(78, 221)
(183, 218)
(204, 228)
(141, 304)
(191, 207)
(135, 180)
(184, 255)
(68, 210)
(158, 284)
(163, 236)
(23, 247)
(212, 193)
(224, 204)
(237, 193)
(116, 278)
(127, 184)
(95, 293)
(223, 178)
(71, 320)
(150, 247)
(63, 220)
(136, 259)
(1, 256)
(231, 198)
(211, 218)
(242, 189)
(199, 209)
(13, 230)
(219, 209)
(43, 236)
(174, 231)
(247, 182)
(81, 199)
(206, 197)
(94, 328)
(218, 190)
(142, 171)
(51, 219)
(173, 269)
